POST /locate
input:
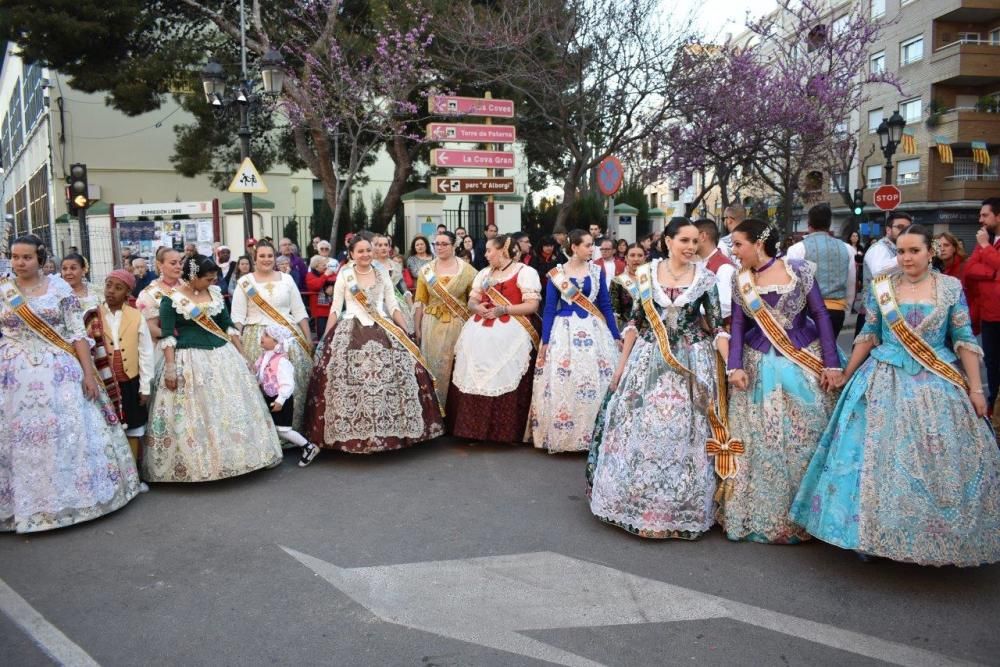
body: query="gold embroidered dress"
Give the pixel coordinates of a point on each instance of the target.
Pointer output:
(439, 328)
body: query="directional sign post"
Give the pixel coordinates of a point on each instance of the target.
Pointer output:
(887, 197)
(450, 105)
(477, 134)
(447, 157)
(472, 186)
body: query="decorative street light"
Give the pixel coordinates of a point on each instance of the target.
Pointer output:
(213, 81)
(890, 133)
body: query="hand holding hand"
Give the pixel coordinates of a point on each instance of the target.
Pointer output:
(276, 406)
(540, 359)
(615, 379)
(739, 380)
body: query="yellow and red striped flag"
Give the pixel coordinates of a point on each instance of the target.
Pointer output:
(944, 149)
(980, 153)
(909, 141)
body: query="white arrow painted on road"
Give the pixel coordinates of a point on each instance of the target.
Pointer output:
(490, 601)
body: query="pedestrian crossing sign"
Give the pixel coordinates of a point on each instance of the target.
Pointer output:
(247, 179)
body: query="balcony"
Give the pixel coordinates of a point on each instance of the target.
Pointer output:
(967, 11)
(967, 63)
(969, 180)
(961, 126)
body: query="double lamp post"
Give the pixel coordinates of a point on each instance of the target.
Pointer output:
(890, 134)
(243, 98)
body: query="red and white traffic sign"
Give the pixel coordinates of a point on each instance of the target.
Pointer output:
(446, 157)
(472, 186)
(610, 175)
(479, 134)
(888, 197)
(450, 105)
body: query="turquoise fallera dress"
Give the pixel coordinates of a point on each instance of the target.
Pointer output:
(906, 470)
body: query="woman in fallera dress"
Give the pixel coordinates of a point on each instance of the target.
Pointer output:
(578, 355)
(441, 308)
(784, 367)
(908, 469)
(382, 260)
(625, 288)
(370, 389)
(268, 296)
(169, 265)
(490, 391)
(207, 419)
(64, 457)
(648, 469)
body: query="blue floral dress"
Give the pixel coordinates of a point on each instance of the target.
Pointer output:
(905, 469)
(570, 387)
(648, 470)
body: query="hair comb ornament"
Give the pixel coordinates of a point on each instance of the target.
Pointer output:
(506, 246)
(766, 234)
(193, 268)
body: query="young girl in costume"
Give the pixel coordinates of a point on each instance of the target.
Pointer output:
(276, 378)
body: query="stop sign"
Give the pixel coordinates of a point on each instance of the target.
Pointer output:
(888, 197)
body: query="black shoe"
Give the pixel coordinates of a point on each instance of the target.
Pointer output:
(309, 452)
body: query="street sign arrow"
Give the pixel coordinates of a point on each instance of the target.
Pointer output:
(479, 134)
(451, 105)
(472, 186)
(446, 157)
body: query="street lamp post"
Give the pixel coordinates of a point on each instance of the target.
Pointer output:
(213, 80)
(890, 133)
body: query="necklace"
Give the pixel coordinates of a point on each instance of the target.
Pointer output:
(168, 283)
(767, 265)
(31, 289)
(683, 273)
(913, 284)
(363, 273)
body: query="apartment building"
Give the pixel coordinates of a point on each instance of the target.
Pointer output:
(947, 54)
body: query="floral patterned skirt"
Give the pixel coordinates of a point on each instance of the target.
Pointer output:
(648, 469)
(780, 418)
(368, 394)
(905, 471)
(61, 460)
(214, 426)
(568, 390)
(302, 364)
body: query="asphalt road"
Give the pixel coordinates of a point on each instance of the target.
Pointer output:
(452, 555)
(200, 575)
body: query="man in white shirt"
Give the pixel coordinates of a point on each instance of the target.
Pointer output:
(716, 262)
(836, 272)
(732, 217)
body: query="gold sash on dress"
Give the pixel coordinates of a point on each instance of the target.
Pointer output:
(194, 312)
(775, 333)
(457, 309)
(644, 273)
(498, 298)
(910, 339)
(272, 312)
(571, 293)
(722, 445)
(626, 281)
(31, 319)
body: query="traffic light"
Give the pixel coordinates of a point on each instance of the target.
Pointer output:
(78, 188)
(859, 202)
